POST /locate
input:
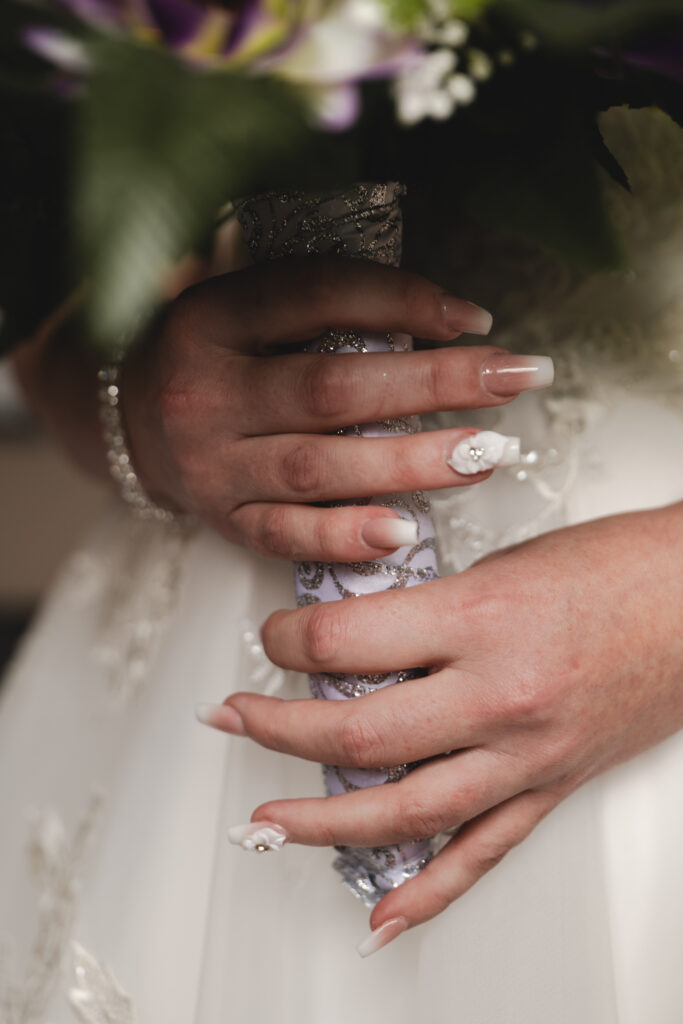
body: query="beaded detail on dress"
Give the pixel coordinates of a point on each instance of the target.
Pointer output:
(56, 861)
(96, 996)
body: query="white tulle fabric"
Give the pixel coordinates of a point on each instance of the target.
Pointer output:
(121, 899)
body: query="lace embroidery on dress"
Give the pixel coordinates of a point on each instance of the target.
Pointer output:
(97, 997)
(266, 677)
(56, 861)
(134, 583)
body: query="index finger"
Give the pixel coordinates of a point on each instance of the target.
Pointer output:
(298, 299)
(373, 632)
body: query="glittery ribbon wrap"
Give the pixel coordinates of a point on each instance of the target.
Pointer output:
(363, 222)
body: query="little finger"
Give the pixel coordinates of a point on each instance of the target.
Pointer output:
(304, 533)
(440, 794)
(306, 468)
(478, 847)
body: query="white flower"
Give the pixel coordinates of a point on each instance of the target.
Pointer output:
(462, 88)
(452, 32)
(421, 87)
(479, 65)
(353, 41)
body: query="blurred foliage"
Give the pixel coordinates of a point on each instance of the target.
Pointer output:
(114, 181)
(161, 147)
(408, 12)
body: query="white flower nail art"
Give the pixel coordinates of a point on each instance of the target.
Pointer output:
(483, 451)
(258, 836)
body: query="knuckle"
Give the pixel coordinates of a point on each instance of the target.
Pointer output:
(437, 383)
(325, 388)
(360, 742)
(267, 729)
(327, 536)
(322, 634)
(528, 702)
(303, 470)
(420, 819)
(489, 853)
(275, 534)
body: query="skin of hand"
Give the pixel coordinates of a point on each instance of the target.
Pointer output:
(227, 424)
(549, 663)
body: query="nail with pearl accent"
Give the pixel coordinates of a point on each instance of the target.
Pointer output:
(258, 836)
(483, 451)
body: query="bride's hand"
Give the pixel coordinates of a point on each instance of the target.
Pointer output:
(236, 436)
(550, 662)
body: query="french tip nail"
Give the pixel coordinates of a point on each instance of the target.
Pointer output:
(204, 713)
(382, 936)
(504, 373)
(258, 836)
(463, 316)
(482, 320)
(389, 532)
(221, 716)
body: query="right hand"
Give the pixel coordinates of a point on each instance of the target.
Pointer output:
(241, 438)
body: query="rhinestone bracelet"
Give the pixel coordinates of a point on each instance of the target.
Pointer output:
(118, 455)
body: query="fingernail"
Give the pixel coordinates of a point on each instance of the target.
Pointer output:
(259, 836)
(486, 450)
(221, 716)
(389, 532)
(506, 374)
(461, 315)
(382, 936)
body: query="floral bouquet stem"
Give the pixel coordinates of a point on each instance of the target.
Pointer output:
(363, 222)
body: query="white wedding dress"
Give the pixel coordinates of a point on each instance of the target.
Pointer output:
(120, 897)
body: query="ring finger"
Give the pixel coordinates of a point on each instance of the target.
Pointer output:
(306, 468)
(437, 795)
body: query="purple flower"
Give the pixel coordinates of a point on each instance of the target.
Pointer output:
(179, 21)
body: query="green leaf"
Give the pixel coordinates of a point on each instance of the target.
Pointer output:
(161, 147)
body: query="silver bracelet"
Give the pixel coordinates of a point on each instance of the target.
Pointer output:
(118, 454)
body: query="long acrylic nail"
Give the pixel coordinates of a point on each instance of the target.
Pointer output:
(483, 451)
(259, 836)
(461, 315)
(389, 532)
(505, 374)
(221, 716)
(382, 936)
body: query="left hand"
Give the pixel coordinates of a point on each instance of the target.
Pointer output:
(550, 662)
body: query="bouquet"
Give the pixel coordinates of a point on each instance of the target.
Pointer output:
(129, 124)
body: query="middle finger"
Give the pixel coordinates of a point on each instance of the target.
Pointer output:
(439, 795)
(398, 724)
(312, 393)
